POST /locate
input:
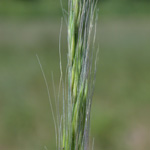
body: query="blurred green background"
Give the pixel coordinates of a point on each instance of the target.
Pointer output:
(121, 104)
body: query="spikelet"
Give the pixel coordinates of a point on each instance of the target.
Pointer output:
(80, 81)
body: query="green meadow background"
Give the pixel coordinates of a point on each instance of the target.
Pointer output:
(121, 104)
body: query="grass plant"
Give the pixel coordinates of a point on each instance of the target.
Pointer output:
(76, 124)
(73, 126)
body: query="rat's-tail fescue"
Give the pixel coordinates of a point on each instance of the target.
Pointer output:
(73, 126)
(76, 119)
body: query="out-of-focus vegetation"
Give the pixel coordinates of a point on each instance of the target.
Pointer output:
(120, 111)
(51, 8)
